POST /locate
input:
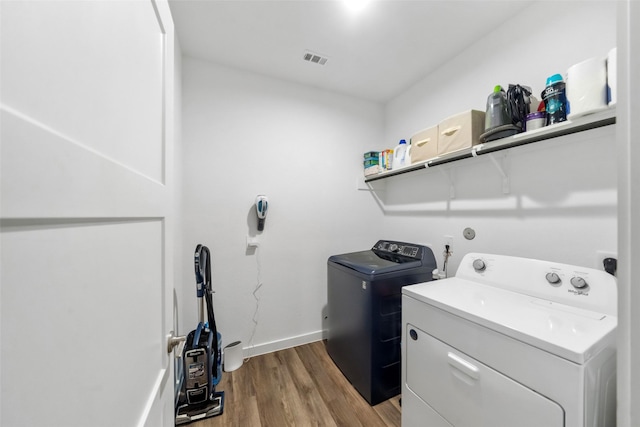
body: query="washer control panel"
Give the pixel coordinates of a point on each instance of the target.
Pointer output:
(398, 248)
(572, 285)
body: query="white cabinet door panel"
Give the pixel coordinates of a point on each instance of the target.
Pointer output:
(91, 70)
(84, 301)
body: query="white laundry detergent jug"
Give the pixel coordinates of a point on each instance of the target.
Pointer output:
(401, 155)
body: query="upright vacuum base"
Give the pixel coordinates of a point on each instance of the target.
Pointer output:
(189, 413)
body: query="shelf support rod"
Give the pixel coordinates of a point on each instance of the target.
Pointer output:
(506, 184)
(447, 175)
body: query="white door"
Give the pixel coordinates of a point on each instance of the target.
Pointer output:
(86, 224)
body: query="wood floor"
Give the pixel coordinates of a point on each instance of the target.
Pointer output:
(298, 387)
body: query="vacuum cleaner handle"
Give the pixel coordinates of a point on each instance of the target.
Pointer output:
(205, 264)
(197, 263)
(202, 264)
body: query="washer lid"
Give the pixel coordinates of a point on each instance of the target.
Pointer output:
(369, 262)
(572, 333)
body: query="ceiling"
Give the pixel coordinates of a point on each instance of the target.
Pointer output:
(374, 54)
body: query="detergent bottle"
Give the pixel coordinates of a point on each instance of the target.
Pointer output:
(555, 100)
(400, 155)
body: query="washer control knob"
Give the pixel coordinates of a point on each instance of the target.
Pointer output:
(479, 265)
(393, 247)
(578, 282)
(553, 278)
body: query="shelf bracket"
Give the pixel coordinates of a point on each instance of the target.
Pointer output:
(447, 175)
(500, 166)
(375, 186)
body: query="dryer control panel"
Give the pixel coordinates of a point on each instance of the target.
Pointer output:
(572, 285)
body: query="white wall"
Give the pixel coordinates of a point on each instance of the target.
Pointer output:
(244, 135)
(562, 203)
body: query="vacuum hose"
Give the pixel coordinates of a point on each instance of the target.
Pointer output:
(203, 278)
(518, 100)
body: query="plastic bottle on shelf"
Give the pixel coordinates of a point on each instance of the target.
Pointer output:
(555, 100)
(400, 157)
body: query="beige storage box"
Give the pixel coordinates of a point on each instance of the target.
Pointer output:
(460, 131)
(424, 145)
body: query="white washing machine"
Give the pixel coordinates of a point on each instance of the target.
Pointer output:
(510, 342)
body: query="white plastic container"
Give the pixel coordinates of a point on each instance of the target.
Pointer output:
(400, 155)
(587, 87)
(535, 120)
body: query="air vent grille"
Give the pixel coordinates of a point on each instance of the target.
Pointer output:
(314, 58)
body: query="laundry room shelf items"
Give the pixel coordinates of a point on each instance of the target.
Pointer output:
(602, 118)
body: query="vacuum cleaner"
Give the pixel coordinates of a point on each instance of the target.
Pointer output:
(202, 370)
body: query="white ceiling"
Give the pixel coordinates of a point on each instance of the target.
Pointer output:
(374, 54)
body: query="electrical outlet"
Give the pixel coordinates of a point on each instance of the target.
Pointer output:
(601, 256)
(448, 240)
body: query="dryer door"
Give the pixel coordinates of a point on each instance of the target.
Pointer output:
(468, 393)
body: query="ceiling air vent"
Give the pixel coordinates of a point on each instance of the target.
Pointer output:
(315, 58)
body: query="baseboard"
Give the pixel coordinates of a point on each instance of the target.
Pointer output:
(283, 344)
